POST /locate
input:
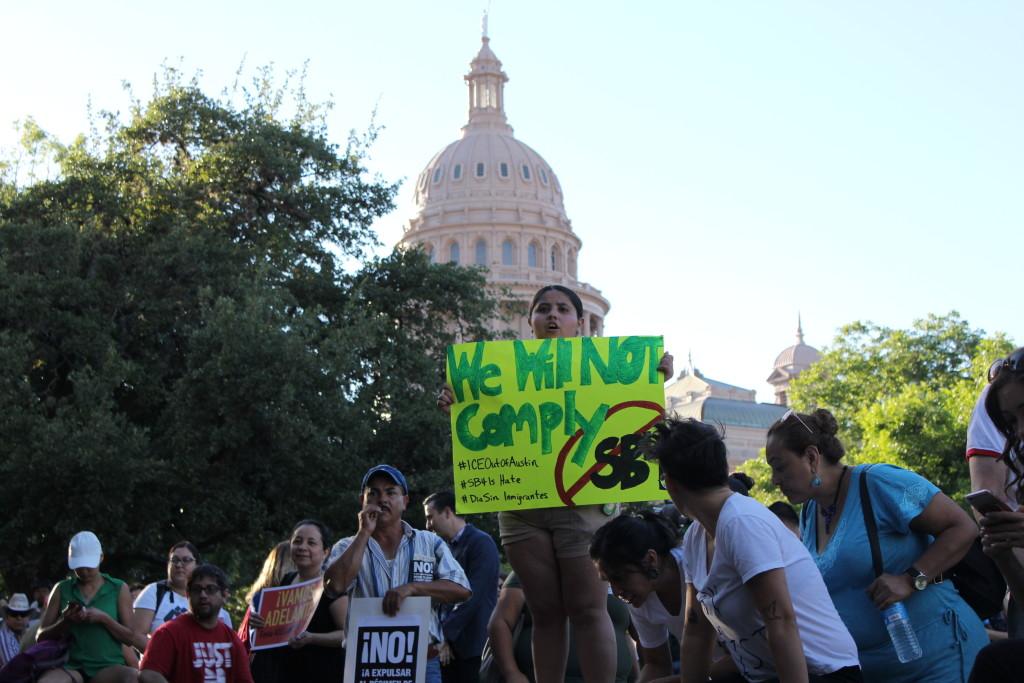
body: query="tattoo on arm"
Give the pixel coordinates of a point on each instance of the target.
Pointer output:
(771, 612)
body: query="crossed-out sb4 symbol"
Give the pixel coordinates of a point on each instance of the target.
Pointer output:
(622, 456)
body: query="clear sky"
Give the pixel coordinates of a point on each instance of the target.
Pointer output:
(726, 164)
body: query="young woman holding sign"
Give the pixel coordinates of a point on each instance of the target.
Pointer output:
(315, 654)
(549, 548)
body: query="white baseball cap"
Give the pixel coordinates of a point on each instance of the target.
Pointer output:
(84, 551)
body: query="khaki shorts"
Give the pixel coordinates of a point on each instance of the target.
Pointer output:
(569, 529)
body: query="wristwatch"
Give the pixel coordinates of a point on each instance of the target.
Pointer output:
(918, 577)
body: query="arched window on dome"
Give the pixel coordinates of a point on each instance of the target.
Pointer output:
(532, 255)
(526, 172)
(503, 169)
(457, 172)
(438, 172)
(543, 175)
(556, 259)
(572, 262)
(480, 169)
(453, 252)
(508, 253)
(481, 252)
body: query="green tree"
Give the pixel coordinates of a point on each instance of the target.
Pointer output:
(904, 396)
(183, 351)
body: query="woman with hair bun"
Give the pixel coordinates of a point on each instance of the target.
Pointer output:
(921, 533)
(750, 584)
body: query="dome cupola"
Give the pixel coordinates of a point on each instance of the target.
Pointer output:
(791, 362)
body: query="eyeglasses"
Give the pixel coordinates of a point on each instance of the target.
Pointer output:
(792, 413)
(1014, 363)
(181, 560)
(210, 589)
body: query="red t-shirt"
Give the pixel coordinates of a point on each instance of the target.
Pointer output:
(185, 652)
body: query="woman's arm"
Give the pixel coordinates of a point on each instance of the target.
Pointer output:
(771, 598)
(54, 624)
(335, 638)
(698, 639)
(954, 531)
(141, 622)
(500, 628)
(657, 663)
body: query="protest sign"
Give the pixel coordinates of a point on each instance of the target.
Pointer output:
(287, 610)
(383, 649)
(554, 422)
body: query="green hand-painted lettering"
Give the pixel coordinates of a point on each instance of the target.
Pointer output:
(473, 372)
(538, 364)
(550, 418)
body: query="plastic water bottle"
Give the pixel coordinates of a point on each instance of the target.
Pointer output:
(901, 632)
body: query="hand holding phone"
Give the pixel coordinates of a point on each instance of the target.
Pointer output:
(984, 501)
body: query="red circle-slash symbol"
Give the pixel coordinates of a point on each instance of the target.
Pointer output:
(566, 495)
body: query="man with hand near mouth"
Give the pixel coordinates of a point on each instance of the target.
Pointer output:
(197, 647)
(389, 559)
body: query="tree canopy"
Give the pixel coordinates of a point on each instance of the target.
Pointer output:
(901, 396)
(193, 341)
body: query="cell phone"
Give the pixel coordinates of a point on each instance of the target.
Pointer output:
(984, 501)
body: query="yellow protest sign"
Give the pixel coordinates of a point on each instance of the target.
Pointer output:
(546, 423)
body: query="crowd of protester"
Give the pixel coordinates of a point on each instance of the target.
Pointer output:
(713, 586)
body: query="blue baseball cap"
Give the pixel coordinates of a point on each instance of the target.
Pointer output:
(395, 475)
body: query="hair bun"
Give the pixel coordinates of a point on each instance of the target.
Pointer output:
(825, 422)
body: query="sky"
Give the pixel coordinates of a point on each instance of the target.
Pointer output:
(727, 165)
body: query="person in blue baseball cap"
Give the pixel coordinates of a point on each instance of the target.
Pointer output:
(390, 471)
(377, 561)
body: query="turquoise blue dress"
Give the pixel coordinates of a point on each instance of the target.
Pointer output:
(949, 631)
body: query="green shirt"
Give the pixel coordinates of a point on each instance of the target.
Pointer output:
(93, 648)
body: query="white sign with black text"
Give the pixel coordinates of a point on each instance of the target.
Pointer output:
(383, 649)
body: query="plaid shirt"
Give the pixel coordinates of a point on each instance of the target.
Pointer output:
(9, 645)
(421, 556)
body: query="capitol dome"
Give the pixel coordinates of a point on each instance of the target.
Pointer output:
(490, 200)
(791, 362)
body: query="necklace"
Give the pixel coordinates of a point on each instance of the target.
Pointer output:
(829, 513)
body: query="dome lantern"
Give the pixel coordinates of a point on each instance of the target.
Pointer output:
(791, 362)
(486, 82)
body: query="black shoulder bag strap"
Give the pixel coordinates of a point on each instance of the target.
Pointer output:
(869, 522)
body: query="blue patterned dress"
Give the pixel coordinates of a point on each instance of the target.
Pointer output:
(949, 631)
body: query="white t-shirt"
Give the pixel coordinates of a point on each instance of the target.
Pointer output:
(750, 540)
(982, 436)
(171, 606)
(653, 621)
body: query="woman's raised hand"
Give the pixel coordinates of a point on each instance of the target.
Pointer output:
(665, 366)
(445, 399)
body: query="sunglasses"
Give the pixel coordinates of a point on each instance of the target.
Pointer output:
(210, 589)
(792, 413)
(179, 561)
(1014, 363)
